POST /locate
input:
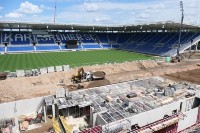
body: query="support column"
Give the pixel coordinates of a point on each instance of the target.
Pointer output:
(53, 111)
(196, 46)
(16, 127)
(190, 46)
(45, 114)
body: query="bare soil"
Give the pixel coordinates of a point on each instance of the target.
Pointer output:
(192, 76)
(13, 89)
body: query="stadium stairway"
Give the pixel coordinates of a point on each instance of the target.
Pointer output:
(184, 46)
(34, 48)
(6, 50)
(81, 46)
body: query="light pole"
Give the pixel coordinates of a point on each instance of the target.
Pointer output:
(182, 17)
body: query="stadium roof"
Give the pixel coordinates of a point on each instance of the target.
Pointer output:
(55, 26)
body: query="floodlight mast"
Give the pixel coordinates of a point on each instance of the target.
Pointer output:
(181, 26)
(54, 19)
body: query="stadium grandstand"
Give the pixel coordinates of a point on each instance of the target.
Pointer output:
(155, 39)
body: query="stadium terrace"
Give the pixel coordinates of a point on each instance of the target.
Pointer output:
(156, 39)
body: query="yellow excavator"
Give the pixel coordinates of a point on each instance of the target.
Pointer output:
(88, 76)
(76, 78)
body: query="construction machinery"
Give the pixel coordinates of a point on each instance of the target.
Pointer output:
(3, 75)
(88, 76)
(175, 59)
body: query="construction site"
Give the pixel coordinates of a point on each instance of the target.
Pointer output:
(71, 78)
(139, 96)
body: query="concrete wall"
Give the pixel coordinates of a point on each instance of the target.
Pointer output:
(99, 120)
(20, 73)
(23, 107)
(116, 126)
(189, 120)
(66, 67)
(43, 70)
(50, 69)
(151, 116)
(58, 68)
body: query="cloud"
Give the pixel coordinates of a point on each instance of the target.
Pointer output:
(107, 11)
(14, 15)
(43, 7)
(1, 8)
(29, 8)
(107, 5)
(24, 8)
(90, 7)
(102, 19)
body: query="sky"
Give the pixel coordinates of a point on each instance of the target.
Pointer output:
(99, 12)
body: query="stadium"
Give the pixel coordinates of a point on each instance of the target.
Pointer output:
(76, 78)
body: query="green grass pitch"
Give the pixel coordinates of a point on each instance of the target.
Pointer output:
(12, 62)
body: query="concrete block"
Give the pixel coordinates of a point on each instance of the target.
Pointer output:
(35, 72)
(66, 68)
(60, 92)
(50, 69)
(58, 68)
(20, 73)
(43, 70)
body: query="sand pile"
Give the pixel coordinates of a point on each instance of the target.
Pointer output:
(148, 64)
(191, 55)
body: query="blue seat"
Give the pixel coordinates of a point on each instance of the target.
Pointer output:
(145, 42)
(20, 49)
(2, 49)
(47, 48)
(91, 46)
(106, 46)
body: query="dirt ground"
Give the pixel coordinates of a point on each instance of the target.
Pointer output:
(28, 87)
(192, 76)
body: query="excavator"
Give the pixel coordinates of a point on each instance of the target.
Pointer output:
(76, 78)
(88, 76)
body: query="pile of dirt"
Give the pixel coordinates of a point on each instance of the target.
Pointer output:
(98, 83)
(148, 64)
(191, 55)
(99, 74)
(191, 76)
